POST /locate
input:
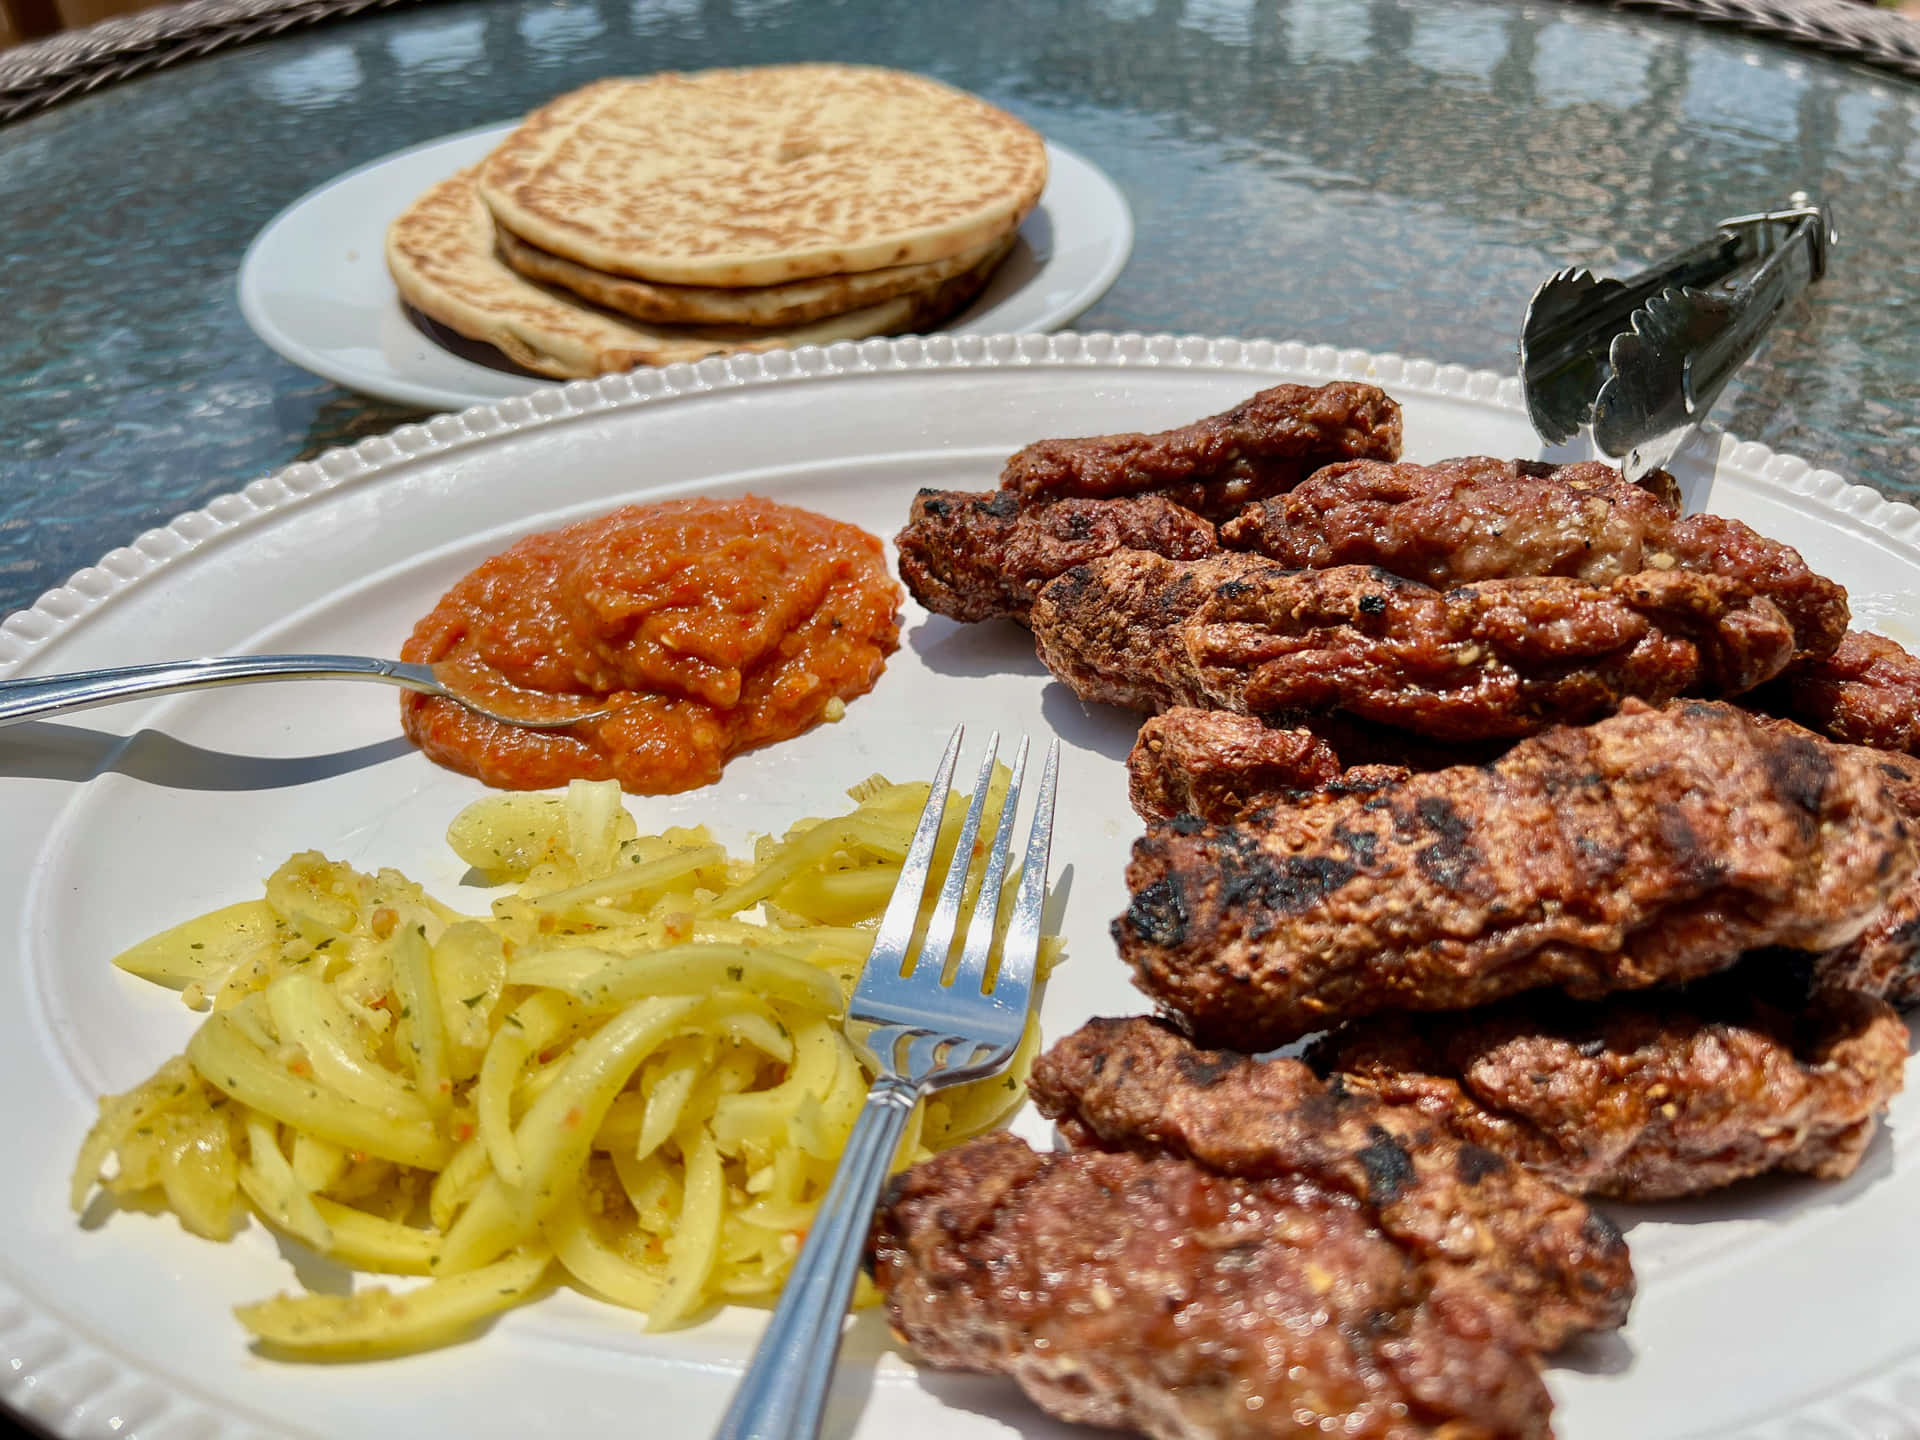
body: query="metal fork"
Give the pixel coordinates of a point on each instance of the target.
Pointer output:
(918, 1033)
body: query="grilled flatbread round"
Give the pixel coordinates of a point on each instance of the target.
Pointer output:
(442, 257)
(794, 303)
(763, 176)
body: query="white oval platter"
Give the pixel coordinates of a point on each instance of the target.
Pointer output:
(1779, 1309)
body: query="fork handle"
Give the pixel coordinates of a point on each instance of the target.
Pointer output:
(785, 1388)
(45, 695)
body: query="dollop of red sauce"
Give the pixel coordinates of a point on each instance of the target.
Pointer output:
(710, 626)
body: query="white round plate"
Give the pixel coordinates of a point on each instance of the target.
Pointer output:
(314, 283)
(1787, 1308)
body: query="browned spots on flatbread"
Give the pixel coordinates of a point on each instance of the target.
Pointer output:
(441, 252)
(764, 176)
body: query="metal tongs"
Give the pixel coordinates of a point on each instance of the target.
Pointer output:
(1643, 359)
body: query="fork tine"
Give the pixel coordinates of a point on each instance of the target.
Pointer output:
(1020, 954)
(971, 973)
(940, 926)
(924, 1036)
(896, 926)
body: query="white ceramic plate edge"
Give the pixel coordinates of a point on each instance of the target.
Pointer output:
(54, 1373)
(24, 632)
(1076, 188)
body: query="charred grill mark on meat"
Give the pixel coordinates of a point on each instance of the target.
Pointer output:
(1122, 615)
(1222, 767)
(1151, 1294)
(1883, 960)
(1384, 1249)
(953, 553)
(978, 557)
(1500, 658)
(1479, 519)
(1867, 692)
(1644, 1097)
(1263, 446)
(1650, 848)
(1136, 1084)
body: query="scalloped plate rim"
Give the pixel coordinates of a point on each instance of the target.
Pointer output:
(55, 1366)
(27, 631)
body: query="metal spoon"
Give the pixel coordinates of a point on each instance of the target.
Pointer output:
(41, 696)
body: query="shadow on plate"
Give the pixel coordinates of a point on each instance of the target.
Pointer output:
(995, 1397)
(1104, 729)
(476, 352)
(1054, 913)
(1774, 1198)
(103, 1205)
(996, 647)
(1604, 1354)
(861, 1347)
(1032, 248)
(315, 1273)
(37, 751)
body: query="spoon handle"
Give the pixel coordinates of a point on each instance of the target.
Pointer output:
(41, 696)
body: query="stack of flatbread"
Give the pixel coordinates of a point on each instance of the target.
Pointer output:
(672, 217)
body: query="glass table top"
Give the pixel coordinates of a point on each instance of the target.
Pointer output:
(1392, 175)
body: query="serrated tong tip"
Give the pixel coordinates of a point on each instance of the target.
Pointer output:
(1642, 359)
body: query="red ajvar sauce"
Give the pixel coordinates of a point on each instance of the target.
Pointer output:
(711, 627)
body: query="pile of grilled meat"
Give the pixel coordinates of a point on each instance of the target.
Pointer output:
(1572, 835)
